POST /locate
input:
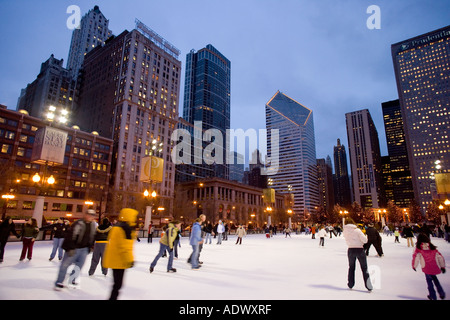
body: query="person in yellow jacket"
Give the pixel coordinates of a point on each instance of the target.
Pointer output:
(166, 243)
(119, 250)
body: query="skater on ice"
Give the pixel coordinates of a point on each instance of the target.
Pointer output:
(119, 249)
(355, 240)
(432, 263)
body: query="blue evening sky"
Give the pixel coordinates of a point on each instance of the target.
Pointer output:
(319, 53)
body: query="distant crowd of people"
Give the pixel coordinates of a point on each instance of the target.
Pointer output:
(111, 244)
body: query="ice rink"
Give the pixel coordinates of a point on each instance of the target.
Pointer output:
(278, 268)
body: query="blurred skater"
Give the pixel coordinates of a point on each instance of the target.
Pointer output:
(240, 232)
(6, 228)
(373, 238)
(77, 244)
(166, 243)
(101, 239)
(432, 263)
(322, 234)
(119, 249)
(29, 234)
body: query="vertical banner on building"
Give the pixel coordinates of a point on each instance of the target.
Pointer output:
(152, 169)
(269, 195)
(442, 183)
(49, 146)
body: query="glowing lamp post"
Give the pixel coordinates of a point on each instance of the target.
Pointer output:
(148, 208)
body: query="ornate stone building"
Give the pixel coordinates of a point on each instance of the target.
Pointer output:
(231, 201)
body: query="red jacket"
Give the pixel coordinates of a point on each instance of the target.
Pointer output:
(431, 261)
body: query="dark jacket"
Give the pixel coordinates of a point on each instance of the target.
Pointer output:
(101, 234)
(6, 228)
(80, 235)
(408, 232)
(373, 235)
(58, 229)
(29, 231)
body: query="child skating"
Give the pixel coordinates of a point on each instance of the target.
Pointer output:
(432, 263)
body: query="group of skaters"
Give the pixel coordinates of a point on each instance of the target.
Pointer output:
(359, 238)
(112, 243)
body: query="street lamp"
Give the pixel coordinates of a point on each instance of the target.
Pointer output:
(441, 207)
(53, 115)
(148, 208)
(343, 214)
(289, 211)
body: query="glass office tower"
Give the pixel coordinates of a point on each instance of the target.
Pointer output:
(297, 152)
(207, 97)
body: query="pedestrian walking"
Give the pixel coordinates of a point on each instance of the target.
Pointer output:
(77, 244)
(7, 227)
(373, 238)
(355, 240)
(101, 239)
(195, 241)
(240, 233)
(166, 243)
(59, 232)
(432, 263)
(29, 234)
(119, 249)
(322, 234)
(220, 231)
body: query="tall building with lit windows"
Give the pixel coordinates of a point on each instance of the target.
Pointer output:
(365, 159)
(398, 162)
(93, 31)
(342, 191)
(297, 152)
(130, 93)
(207, 92)
(422, 71)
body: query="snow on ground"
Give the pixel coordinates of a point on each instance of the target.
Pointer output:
(278, 268)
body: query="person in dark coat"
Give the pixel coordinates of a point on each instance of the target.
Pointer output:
(59, 232)
(409, 235)
(77, 245)
(6, 228)
(101, 239)
(373, 238)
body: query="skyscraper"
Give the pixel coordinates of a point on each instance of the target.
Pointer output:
(402, 189)
(365, 159)
(325, 178)
(422, 72)
(207, 97)
(130, 93)
(342, 191)
(296, 149)
(92, 32)
(53, 86)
